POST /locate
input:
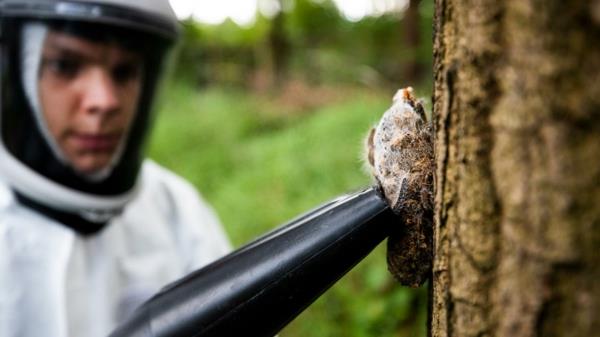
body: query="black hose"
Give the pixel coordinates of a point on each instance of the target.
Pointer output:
(259, 288)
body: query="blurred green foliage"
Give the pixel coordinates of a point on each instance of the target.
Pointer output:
(321, 47)
(262, 154)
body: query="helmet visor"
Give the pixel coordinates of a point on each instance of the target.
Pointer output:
(77, 100)
(83, 90)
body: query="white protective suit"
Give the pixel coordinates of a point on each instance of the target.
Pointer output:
(55, 283)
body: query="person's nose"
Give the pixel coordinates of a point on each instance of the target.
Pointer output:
(100, 96)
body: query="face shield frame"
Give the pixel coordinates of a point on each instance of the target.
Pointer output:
(42, 176)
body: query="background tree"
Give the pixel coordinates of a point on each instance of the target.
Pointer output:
(280, 47)
(517, 118)
(412, 40)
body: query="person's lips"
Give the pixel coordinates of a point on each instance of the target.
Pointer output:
(100, 142)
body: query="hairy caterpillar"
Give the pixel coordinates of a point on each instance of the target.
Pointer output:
(400, 155)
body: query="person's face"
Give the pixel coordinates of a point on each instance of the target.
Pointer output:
(88, 96)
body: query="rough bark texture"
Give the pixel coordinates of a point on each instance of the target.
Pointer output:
(517, 133)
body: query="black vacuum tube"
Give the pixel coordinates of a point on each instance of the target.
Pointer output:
(256, 290)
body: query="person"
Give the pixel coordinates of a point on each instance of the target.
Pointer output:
(89, 228)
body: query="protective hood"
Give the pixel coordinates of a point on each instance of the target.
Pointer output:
(76, 90)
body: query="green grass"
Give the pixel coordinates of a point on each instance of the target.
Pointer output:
(261, 163)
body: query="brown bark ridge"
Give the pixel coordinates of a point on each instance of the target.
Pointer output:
(517, 150)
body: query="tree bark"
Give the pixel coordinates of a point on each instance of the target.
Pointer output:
(517, 142)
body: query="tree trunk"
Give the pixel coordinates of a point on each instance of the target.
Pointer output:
(517, 132)
(280, 48)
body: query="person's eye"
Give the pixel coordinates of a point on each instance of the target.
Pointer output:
(125, 72)
(63, 67)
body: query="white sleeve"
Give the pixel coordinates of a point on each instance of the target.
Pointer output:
(196, 227)
(205, 239)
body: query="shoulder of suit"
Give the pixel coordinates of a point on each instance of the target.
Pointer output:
(153, 173)
(6, 195)
(160, 182)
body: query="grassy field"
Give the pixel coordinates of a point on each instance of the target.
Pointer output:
(260, 161)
